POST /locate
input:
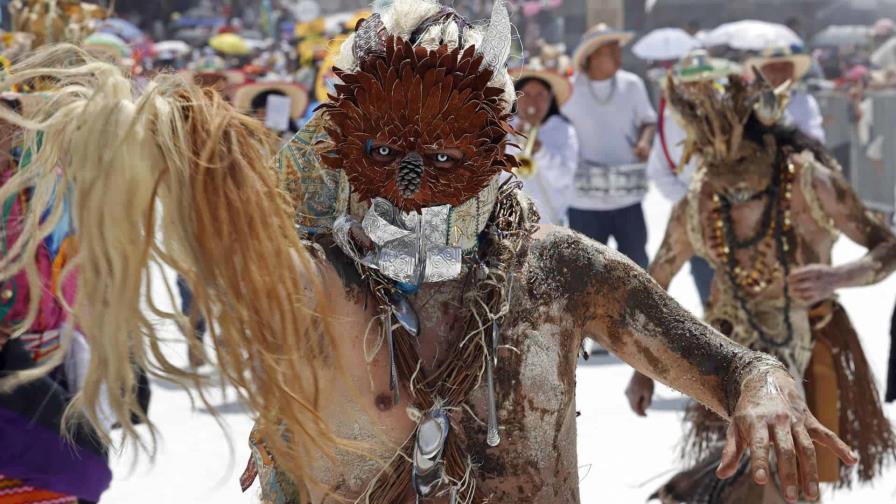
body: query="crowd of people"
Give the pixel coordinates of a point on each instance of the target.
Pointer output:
(452, 214)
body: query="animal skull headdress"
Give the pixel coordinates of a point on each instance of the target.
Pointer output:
(715, 114)
(422, 123)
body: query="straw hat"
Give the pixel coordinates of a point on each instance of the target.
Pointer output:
(559, 84)
(595, 38)
(698, 66)
(298, 95)
(801, 61)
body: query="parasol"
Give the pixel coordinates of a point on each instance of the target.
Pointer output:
(123, 29)
(752, 35)
(665, 44)
(843, 35)
(230, 44)
(175, 47)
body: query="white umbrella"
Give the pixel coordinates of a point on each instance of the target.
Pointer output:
(665, 44)
(752, 35)
(176, 47)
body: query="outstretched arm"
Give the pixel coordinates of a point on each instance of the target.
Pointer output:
(817, 282)
(630, 314)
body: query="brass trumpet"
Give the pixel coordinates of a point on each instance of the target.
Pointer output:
(527, 167)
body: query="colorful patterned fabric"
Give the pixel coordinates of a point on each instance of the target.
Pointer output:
(319, 194)
(52, 256)
(41, 345)
(13, 491)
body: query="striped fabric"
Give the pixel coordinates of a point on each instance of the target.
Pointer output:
(41, 345)
(13, 491)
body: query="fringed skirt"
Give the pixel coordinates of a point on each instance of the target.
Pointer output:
(841, 393)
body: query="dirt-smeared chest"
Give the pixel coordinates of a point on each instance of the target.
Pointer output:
(535, 390)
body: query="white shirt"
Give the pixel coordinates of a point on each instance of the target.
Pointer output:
(551, 185)
(660, 171)
(608, 117)
(804, 113)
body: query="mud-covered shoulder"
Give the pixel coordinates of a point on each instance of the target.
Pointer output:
(566, 267)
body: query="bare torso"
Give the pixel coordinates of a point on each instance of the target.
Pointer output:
(814, 242)
(535, 383)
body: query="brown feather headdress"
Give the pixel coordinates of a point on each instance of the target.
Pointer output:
(418, 127)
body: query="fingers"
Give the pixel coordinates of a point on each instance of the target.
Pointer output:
(787, 460)
(638, 401)
(808, 464)
(759, 449)
(732, 453)
(643, 404)
(633, 402)
(823, 436)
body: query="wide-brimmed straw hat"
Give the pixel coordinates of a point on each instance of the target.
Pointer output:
(297, 94)
(801, 61)
(559, 84)
(595, 38)
(697, 66)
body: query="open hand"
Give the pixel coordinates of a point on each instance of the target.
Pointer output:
(813, 283)
(771, 411)
(639, 393)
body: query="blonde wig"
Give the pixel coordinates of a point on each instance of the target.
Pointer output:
(172, 176)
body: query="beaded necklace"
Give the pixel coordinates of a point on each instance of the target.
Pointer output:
(774, 226)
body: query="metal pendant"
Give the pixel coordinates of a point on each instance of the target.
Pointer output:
(421, 251)
(405, 314)
(429, 444)
(393, 367)
(494, 437)
(496, 341)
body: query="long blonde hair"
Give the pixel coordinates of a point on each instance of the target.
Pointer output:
(172, 176)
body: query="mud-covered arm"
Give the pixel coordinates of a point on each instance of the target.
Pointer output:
(610, 298)
(613, 300)
(839, 203)
(676, 248)
(851, 217)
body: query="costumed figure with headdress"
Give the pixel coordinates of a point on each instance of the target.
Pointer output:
(383, 302)
(765, 207)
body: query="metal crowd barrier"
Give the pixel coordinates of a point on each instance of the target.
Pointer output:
(866, 149)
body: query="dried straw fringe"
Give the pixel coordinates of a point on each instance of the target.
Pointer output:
(179, 163)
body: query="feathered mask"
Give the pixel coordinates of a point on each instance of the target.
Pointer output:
(418, 127)
(715, 115)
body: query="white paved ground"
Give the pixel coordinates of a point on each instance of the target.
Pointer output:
(621, 457)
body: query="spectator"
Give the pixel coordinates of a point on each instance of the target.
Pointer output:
(782, 64)
(615, 122)
(555, 144)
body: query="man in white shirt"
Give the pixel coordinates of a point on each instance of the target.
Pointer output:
(615, 122)
(780, 64)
